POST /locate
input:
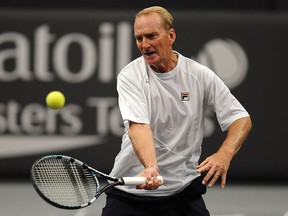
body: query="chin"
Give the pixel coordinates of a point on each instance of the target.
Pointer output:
(150, 61)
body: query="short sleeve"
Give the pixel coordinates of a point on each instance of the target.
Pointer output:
(222, 102)
(132, 100)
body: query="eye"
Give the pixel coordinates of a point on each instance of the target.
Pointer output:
(151, 36)
(139, 38)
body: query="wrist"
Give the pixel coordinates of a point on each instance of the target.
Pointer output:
(153, 166)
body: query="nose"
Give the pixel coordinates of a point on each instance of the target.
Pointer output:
(145, 43)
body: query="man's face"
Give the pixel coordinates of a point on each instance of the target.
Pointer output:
(153, 41)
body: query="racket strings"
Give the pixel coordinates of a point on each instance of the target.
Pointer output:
(82, 183)
(65, 183)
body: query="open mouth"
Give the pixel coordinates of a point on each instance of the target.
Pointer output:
(149, 53)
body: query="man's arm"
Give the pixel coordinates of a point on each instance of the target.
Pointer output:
(142, 140)
(218, 164)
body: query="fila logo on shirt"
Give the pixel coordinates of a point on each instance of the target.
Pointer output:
(185, 96)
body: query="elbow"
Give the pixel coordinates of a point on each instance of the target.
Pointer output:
(249, 123)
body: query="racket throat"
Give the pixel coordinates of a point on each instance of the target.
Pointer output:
(120, 181)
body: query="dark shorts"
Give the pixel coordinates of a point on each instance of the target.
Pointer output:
(187, 203)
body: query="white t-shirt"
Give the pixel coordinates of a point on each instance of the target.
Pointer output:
(174, 104)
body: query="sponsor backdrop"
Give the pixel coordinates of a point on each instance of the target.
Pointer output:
(81, 52)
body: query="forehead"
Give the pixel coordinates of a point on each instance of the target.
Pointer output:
(147, 23)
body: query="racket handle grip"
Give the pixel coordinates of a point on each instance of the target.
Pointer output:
(138, 180)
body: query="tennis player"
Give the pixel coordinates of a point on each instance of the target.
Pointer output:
(163, 97)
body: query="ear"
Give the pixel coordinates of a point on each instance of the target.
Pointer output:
(172, 35)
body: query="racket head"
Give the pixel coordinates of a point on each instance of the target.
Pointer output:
(66, 182)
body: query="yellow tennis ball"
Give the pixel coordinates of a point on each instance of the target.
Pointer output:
(55, 100)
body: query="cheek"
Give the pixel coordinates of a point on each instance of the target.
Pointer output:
(138, 45)
(164, 47)
(164, 44)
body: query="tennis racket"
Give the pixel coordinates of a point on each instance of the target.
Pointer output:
(68, 183)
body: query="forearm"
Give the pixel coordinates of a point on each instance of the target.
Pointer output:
(143, 143)
(218, 163)
(237, 134)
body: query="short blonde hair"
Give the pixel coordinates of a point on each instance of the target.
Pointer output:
(166, 17)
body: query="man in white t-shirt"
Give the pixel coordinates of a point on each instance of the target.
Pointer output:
(163, 97)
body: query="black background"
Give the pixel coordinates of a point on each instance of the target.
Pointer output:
(268, 5)
(264, 38)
